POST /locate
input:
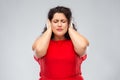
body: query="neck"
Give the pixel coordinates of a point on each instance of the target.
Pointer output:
(59, 38)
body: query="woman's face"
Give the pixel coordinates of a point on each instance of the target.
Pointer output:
(59, 24)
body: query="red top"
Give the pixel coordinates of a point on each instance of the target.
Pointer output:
(61, 62)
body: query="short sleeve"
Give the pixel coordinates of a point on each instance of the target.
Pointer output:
(82, 58)
(39, 60)
(36, 58)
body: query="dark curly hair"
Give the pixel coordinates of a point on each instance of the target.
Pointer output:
(60, 9)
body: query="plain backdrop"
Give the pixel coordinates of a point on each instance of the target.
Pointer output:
(21, 21)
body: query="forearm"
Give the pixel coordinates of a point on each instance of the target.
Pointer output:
(40, 46)
(80, 42)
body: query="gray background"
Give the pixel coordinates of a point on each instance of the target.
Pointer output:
(21, 21)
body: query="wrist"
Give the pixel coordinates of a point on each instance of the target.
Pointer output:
(70, 28)
(49, 29)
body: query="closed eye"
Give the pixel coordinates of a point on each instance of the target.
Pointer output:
(63, 21)
(55, 21)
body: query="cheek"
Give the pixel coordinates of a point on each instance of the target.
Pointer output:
(53, 26)
(65, 26)
(65, 29)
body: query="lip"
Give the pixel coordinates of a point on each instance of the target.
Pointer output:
(59, 29)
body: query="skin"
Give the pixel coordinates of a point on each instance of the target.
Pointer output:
(59, 26)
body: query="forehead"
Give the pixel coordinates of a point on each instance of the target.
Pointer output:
(59, 16)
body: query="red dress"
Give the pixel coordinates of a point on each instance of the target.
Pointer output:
(61, 62)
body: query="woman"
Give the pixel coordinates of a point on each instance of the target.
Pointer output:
(60, 50)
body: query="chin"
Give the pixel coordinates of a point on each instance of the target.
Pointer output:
(59, 34)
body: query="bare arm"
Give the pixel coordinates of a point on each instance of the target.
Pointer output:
(80, 42)
(41, 44)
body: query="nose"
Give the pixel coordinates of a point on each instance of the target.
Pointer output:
(59, 24)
